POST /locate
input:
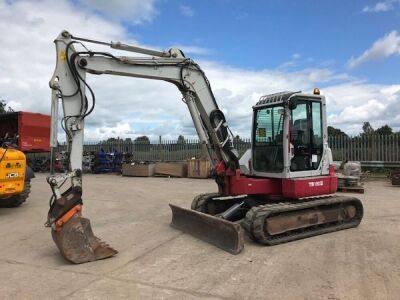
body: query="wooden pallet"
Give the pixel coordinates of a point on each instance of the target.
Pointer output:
(198, 168)
(138, 170)
(173, 169)
(351, 189)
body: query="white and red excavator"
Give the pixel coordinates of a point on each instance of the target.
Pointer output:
(282, 189)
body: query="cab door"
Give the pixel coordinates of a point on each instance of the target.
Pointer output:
(306, 136)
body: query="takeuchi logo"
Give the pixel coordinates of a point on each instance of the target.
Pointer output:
(315, 183)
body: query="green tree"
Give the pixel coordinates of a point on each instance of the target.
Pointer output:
(367, 128)
(237, 140)
(3, 105)
(181, 140)
(332, 131)
(142, 140)
(385, 129)
(111, 140)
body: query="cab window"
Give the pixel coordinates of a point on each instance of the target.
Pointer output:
(268, 139)
(306, 136)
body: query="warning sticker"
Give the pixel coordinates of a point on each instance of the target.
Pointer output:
(61, 55)
(262, 132)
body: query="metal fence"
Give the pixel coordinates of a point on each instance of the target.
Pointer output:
(163, 150)
(364, 148)
(372, 149)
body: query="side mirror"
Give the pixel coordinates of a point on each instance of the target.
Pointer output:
(292, 103)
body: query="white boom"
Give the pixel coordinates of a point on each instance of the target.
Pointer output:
(69, 85)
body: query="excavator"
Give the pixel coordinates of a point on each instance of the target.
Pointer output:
(280, 190)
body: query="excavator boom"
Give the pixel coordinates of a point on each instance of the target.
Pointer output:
(71, 232)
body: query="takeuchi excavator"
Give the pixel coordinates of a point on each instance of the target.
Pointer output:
(280, 190)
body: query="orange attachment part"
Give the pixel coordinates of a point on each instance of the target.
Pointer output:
(68, 215)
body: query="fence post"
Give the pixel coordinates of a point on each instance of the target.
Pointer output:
(387, 147)
(365, 146)
(159, 148)
(344, 146)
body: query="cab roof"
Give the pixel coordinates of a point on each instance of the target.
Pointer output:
(275, 98)
(282, 97)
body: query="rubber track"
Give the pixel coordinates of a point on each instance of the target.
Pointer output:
(199, 202)
(255, 219)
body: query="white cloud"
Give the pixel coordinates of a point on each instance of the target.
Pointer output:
(381, 6)
(296, 56)
(117, 130)
(297, 61)
(351, 104)
(196, 50)
(382, 48)
(134, 11)
(27, 55)
(128, 107)
(186, 11)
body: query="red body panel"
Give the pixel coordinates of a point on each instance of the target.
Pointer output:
(239, 185)
(33, 130)
(288, 188)
(308, 187)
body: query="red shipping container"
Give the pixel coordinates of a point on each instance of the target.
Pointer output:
(33, 130)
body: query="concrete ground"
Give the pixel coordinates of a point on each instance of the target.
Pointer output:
(158, 262)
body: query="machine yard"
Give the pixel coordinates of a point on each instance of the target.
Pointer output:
(199, 150)
(156, 261)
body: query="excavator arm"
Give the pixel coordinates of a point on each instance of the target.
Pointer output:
(71, 232)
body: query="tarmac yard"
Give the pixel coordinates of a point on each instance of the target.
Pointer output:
(157, 262)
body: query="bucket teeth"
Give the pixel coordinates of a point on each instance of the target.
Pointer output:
(78, 244)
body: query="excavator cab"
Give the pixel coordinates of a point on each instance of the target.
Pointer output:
(288, 135)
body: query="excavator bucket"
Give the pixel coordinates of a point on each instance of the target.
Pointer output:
(78, 244)
(226, 235)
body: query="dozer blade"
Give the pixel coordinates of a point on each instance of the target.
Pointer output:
(226, 235)
(78, 244)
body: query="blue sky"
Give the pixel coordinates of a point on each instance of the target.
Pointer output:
(267, 34)
(350, 49)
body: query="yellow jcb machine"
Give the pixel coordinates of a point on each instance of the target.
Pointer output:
(14, 176)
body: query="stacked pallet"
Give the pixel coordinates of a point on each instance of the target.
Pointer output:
(193, 168)
(198, 168)
(138, 170)
(174, 169)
